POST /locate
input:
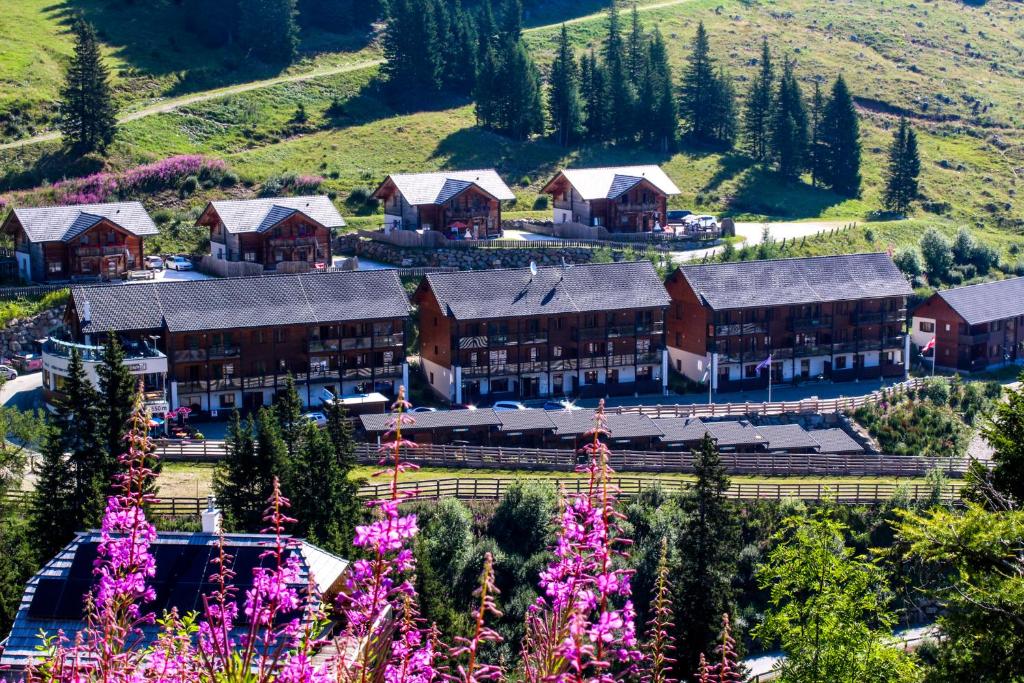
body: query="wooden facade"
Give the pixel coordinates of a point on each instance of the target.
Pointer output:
(836, 340)
(960, 345)
(473, 210)
(298, 239)
(105, 250)
(567, 354)
(638, 209)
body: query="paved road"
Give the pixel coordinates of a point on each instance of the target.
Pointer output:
(754, 235)
(169, 105)
(24, 392)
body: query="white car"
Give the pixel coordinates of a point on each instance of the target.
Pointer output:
(508, 405)
(154, 262)
(179, 263)
(7, 372)
(423, 409)
(317, 418)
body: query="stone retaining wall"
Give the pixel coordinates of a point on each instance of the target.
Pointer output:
(17, 336)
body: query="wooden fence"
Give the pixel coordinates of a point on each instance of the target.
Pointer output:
(409, 239)
(488, 457)
(15, 293)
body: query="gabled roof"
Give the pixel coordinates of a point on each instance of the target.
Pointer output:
(610, 182)
(52, 599)
(231, 303)
(440, 419)
(787, 437)
(987, 302)
(681, 429)
(260, 215)
(439, 187)
(484, 294)
(64, 223)
(782, 282)
(835, 441)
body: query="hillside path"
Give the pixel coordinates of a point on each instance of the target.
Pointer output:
(164, 106)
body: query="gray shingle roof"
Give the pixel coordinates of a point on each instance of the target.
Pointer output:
(733, 433)
(440, 419)
(835, 441)
(524, 420)
(680, 429)
(438, 187)
(787, 437)
(324, 568)
(259, 215)
(611, 181)
(620, 426)
(987, 302)
(483, 294)
(186, 306)
(64, 223)
(750, 284)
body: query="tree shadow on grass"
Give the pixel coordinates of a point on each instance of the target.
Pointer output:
(730, 165)
(152, 38)
(761, 191)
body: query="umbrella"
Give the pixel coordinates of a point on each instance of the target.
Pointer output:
(458, 224)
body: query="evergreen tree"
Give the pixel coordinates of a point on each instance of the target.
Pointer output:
(619, 85)
(460, 49)
(723, 109)
(69, 494)
(317, 489)
(88, 118)
(337, 16)
(815, 152)
(1005, 432)
(17, 560)
(413, 56)
(486, 29)
(636, 47)
(564, 106)
(706, 96)
(244, 479)
(512, 20)
(215, 23)
(707, 558)
(288, 411)
(509, 99)
(904, 166)
(757, 111)
(840, 140)
(595, 101)
(117, 389)
(789, 136)
(657, 101)
(487, 91)
(268, 29)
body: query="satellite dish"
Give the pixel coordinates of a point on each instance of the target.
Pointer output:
(533, 268)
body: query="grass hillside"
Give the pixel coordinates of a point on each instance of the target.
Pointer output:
(954, 68)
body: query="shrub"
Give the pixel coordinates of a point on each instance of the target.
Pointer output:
(938, 255)
(230, 179)
(189, 185)
(541, 203)
(359, 195)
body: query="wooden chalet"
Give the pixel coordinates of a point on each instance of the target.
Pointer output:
(585, 330)
(453, 202)
(87, 241)
(620, 198)
(273, 230)
(831, 318)
(231, 343)
(975, 327)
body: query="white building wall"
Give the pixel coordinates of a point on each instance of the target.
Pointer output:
(871, 359)
(690, 365)
(443, 382)
(563, 216)
(917, 336)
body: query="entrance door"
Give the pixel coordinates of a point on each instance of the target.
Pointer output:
(805, 368)
(531, 387)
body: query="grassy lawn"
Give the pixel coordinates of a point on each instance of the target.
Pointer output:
(187, 480)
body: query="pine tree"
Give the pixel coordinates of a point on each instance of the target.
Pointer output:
(723, 110)
(268, 29)
(117, 390)
(508, 100)
(413, 56)
(700, 90)
(288, 411)
(486, 29)
(88, 118)
(595, 100)
(707, 558)
(840, 139)
(815, 151)
(619, 85)
(901, 186)
(789, 136)
(636, 47)
(757, 112)
(244, 479)
(460, 50)
(512, 20)
(69, 496)
(564, 106)
(315, 486)
(656, 104)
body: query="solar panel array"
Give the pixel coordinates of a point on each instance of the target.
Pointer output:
(183, 577)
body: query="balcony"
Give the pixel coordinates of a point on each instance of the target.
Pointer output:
(869, 345)
(895, 342)
(540, 337)
(193, 387)
(224, 352)
(533, 366)
(565, 364)
(867, 317)
(819, 322)
(621, 330)
(323, 345)
(475, 371)
(388, 340)
(845, 347)
(94, 354)
(500, 340)
(980, 338)
(388, 371)
(351, 343)
(650, 328)
(806, 350)
(320, 374)
(737, 328)
(189, 355)
(356, 373)
(292, 241)
(899, 316)
(652, 358)
(225, 384)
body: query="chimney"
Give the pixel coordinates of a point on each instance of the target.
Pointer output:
(211, 517)
(86, 311)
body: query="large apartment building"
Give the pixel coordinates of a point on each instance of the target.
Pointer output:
(831, 317)
(584, 330)
(231, 343)
(975, 327)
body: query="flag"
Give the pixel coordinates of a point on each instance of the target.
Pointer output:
(929, 346)
(763, 364)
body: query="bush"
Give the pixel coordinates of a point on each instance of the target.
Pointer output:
(963, 246)
(230, 179)
(938, 255)
(359, 195)
(908, 261)
(541, 202)
(189, 185)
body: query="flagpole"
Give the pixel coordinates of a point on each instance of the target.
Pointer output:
(769, 378)
(935, 352)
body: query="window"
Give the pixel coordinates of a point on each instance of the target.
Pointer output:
(556, 351)
(926, 326)
(280, 335)
(54, 266)
(750, 371)
(613, 376)
(227, 400)
(533, 354)
(643, 345)
(590, 377)
(840, 362)
(250, 256)
(499, 385)
(643, 374)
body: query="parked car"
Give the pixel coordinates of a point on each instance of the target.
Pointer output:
(179, 263)
(154, 262)
(27, 362)
(423, 409)
(316, 417)
(508, 405)
(676, 216)
(561, 404)
(7, 372)
(463, 406)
